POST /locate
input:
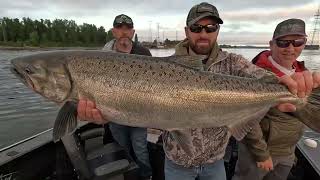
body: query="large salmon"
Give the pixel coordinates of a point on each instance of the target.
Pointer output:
(156, 92)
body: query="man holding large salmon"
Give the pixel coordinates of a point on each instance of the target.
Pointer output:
(133, 139)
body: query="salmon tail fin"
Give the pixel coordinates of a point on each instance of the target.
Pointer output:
(66, 121)
(309, 114)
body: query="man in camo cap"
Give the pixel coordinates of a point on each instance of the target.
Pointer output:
(198, 152)
(290, 27)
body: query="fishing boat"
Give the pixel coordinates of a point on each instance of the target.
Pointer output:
(90, 152)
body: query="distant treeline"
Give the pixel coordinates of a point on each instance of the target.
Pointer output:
(59, 32)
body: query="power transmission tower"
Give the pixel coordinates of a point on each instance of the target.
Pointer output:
(158, 37)
(163, 36)
(176, 35)
(150, 31)
(314, 43)
(316, 30)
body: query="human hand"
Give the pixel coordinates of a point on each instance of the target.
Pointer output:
(292, 86)
(300, 84)
(316, 79)
(306, 81)
(266, 165)
(87, 111)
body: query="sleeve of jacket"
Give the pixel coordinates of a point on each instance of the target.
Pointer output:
(109, 45)
(256, 144)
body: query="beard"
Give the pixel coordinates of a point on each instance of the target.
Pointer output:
(124, 45)
(125, 42)
(201, 48)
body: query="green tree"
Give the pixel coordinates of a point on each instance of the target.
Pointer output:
(109, 36)
(3, 34)
(59, 32)
(101, 36)
(34, 38)
(27, 28)
(12, 28)
(71, 32)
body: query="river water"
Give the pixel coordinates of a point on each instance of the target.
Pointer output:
(24, 113)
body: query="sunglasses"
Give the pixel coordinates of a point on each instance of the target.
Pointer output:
(209, 28)
(286, 43)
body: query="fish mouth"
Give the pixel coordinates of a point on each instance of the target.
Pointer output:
(22, 76)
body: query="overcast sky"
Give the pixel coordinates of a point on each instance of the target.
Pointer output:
(245, 21)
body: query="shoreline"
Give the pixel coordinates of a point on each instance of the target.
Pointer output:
(30, 48)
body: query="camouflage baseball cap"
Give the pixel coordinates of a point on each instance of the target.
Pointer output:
(202, 10)
(122, 19)
(290, 27)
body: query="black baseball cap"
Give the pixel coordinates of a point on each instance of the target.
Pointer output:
(122, 19)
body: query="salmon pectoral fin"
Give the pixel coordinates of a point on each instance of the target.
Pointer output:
(66, 121)
(240, 130)
(309, 114)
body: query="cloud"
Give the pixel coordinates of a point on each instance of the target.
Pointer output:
(266, 15)
(232, 5)
(240, 17)
(140, 7)
(231, 10)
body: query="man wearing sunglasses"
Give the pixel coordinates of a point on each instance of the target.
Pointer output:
(131, 138)
(267, 152)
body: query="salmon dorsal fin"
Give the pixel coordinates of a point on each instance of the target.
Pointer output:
(270, 79)
(194, 62)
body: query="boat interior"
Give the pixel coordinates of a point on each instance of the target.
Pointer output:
(90, 153)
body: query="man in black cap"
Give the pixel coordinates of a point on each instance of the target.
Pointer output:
(123, 33)
(132, 138)
(267, 152)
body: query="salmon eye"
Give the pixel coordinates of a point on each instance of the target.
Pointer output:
(28, 70)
